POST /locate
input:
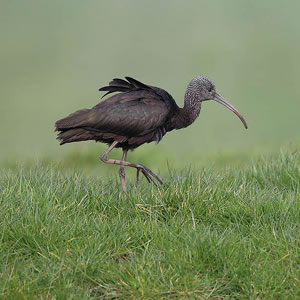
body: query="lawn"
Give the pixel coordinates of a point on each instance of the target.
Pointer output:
(217, 233)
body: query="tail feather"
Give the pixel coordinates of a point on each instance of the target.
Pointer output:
(72, 135)
(70, 127)
(77, 119)
(82, 134)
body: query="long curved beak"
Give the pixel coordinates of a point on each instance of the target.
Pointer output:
(221, 100)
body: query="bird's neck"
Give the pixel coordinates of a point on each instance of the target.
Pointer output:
(190, 111)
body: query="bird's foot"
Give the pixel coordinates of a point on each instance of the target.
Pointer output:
(150, 176)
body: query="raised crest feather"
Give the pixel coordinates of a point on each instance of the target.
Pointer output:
(121, 85)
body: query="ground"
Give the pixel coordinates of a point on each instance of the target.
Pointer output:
(218, 233)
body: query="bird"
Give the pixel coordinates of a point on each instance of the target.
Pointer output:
(137, 113)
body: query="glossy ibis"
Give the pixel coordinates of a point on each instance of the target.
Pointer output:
(137, 114)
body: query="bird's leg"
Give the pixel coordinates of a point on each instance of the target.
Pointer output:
(122, 171)
(146, 171)
(137, 176)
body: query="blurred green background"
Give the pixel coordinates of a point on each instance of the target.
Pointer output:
(56, 54)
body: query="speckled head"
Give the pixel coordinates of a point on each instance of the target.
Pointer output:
(202, 89)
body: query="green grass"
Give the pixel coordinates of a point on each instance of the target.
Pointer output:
(230, 233)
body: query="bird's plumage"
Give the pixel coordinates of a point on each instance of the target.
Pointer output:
(137, 114)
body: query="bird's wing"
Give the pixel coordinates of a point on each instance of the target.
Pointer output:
(136, 110)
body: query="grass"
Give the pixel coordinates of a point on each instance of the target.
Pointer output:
(230, 233)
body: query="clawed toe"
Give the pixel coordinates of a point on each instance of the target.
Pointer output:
(150, 176)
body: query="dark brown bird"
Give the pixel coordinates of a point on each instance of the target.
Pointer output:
(137, 114)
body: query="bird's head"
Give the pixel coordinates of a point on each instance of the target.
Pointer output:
(204, 89)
